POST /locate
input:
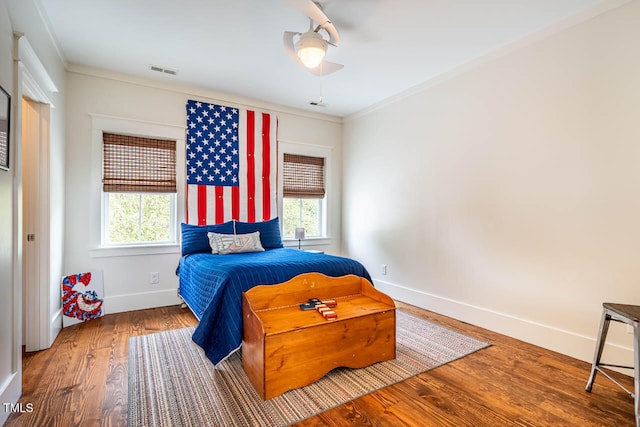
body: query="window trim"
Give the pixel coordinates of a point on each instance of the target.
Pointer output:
(103, 123)
(315, 151)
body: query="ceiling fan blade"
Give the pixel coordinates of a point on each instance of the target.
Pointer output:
(313, 11)
(325, 68)
(310, 9)
(334, 37)
(287, 42)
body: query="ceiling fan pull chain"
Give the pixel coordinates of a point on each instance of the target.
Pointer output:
(321, 77)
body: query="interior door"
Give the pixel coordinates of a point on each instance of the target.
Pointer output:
(35, 131)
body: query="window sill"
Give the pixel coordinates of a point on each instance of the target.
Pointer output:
(117, 251)
(308, 242)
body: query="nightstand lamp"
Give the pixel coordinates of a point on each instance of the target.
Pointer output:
(299, 235)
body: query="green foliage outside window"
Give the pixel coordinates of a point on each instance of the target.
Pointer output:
(301, 213)
(139, 218)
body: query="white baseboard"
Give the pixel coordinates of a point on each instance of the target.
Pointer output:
(141, 301)
(55, 326)
(550, 337)
(10, 392)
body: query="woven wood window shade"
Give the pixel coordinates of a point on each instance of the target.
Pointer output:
(303, 176)
(138, 165)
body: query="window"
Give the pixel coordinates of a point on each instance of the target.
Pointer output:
(139, 190)
(303, 194)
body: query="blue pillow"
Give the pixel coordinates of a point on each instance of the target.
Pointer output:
(195, 239)
(269, 232)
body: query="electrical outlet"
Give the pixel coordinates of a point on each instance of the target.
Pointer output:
(154, 277)
(383, 269)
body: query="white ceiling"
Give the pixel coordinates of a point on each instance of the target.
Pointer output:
(235, 46)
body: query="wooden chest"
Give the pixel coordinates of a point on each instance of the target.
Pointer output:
(284, 347)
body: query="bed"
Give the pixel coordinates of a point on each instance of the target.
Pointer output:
(212, 284)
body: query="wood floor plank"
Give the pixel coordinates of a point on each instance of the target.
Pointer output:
(114, 405)
(82, 381)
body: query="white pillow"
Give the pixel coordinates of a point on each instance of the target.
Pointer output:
(234, 243)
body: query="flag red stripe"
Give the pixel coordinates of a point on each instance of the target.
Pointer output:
(202, 205)
(219, 204)
(251, 171)
(266, 167)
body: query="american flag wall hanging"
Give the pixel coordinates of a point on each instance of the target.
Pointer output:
(231, 164)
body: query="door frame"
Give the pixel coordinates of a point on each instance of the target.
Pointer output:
(34, 82)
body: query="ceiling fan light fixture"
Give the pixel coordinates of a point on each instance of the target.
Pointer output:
(311, 49)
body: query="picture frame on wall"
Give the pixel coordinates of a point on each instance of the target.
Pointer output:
(5, 124)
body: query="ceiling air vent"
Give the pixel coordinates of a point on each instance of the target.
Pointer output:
(163, 70)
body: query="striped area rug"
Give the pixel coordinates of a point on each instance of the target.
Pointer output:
(172, 383)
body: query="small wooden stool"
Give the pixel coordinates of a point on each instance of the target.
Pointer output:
(629, 314)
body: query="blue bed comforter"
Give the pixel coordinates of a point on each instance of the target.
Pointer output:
(212, 286)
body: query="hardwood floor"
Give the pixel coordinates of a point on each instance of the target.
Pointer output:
(82, 381)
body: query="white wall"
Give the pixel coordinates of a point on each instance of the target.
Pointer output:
(9, 364)
(23, 16)
(98, 92)
(27, 19)
(508, 195)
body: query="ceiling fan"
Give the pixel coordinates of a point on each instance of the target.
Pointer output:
(310, 48)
